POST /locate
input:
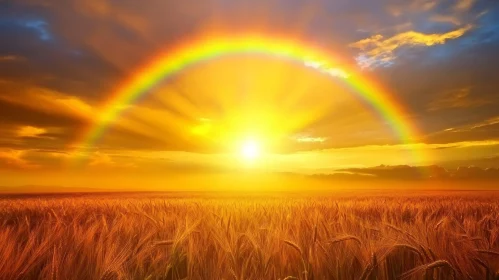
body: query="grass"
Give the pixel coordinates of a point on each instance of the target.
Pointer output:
(273, 236)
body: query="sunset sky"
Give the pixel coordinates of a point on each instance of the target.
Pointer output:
(63, 65)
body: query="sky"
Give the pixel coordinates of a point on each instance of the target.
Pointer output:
(61, 62)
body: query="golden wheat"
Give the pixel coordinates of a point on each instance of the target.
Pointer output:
(196, 236)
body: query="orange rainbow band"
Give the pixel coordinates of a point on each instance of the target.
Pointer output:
(177, 59)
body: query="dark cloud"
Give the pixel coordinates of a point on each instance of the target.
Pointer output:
(403, 172)
(411, 173)
(15, 160)
(484, 163)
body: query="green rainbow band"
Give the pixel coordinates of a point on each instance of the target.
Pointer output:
(177, 59)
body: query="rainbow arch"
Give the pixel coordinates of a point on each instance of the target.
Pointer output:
(203, 49)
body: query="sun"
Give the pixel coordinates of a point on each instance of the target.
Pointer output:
(250, 150)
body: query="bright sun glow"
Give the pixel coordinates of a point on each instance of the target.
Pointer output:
(250, 150)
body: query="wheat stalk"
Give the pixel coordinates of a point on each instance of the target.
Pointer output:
(299, 250)
(488, 252)
(346, 238)
(165, 242)
(484, 265)
(409, 248)
(429, 267)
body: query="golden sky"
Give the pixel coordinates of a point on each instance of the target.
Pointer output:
(61, 63)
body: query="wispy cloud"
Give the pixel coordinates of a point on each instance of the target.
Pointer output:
(488, 122)
(101, 160)
(380, 51)
(38, 26)
(325, 68)
(9, 58)
(478, 125)
(398, 9)
(310, 139)
(446, 19)
(420, 146)
(459, 98)
(30, 131)
(405, 172)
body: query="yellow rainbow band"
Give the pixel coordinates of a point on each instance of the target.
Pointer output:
(193, 52)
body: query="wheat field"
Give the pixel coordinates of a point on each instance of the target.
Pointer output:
(359, 235)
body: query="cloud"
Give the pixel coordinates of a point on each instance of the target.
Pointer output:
(426, 5)
(484, 163)
(401, 172)
(14, 159)
(411, 173)
(101, 160)
(420, 146)
(37, 25)
(416, 154)
(459, 98)
(380, 51)
(488, 122)
(40, 26)
(464, 5)
(310, 139)
(446, 19)
(326, 69)
(10, 58)
(404, 7)
(30, 131)
(46, 100)
(473, 172)
(478, 125)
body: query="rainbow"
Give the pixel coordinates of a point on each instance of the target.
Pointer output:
(177, 59)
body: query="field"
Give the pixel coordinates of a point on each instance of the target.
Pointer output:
(357, 235)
